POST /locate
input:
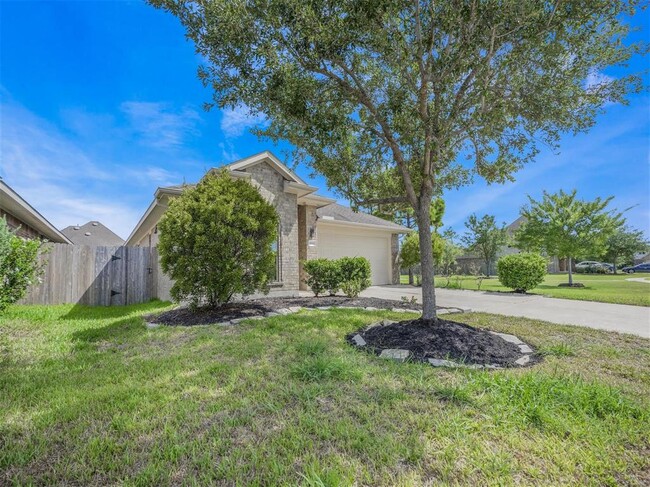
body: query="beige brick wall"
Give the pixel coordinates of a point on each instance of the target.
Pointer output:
(306, 222)
(271, 186)
(24, 230)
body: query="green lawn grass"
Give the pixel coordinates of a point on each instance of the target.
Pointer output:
(90, 396)
(603, 288)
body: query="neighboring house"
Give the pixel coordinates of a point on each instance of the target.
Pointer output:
(470, 260)
(94, 234)
(641, 257)
(22, 216)
(311, 226)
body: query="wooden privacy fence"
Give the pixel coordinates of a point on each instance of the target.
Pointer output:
(98, 276)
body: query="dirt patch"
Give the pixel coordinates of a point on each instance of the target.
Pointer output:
(566, 284)
(444, 340)
(259, 307)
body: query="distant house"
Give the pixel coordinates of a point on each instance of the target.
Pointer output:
(24, 218)
(94, 234)
(469, 260)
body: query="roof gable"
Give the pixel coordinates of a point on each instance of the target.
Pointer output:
(270, 159)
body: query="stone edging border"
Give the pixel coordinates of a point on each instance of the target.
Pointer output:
(401, 355)
(295, 309)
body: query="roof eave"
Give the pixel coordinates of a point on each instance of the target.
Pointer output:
(384, 228)
(37, 221)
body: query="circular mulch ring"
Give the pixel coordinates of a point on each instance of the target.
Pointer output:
(446, 343)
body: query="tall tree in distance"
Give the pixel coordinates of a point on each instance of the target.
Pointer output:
(485, 237)
(562, 225)
(430, 93)
(623, 244)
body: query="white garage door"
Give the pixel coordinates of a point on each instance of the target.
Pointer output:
(334, 243)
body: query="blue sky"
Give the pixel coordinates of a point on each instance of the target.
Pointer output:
(100, 104)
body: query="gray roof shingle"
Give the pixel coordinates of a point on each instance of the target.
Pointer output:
(346, 214)
(92, 233)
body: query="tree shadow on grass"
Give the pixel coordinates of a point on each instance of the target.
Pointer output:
(511, 293)
(84, 312)
(118, 330)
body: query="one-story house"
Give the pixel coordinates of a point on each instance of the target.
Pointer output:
(93, 234)
(311, 226)
(24, 219)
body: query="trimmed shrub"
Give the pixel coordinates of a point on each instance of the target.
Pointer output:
(19, 267)
(323, 275)
(521, 272)
(216, 241)
(355, 275)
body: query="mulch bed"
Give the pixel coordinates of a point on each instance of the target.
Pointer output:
(443, 340)
(258, 307)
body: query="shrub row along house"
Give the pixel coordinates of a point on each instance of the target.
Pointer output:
(311, 226)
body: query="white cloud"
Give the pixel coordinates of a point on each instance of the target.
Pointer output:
(157, 125)
(596, 79)
(228, 153)
(234, 122)
(66, 182)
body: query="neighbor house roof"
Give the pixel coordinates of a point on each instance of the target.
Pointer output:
(344, 214)
(12, 203)
(515, 225)
(93, 233)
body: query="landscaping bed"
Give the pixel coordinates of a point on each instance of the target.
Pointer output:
(252, 308)
(89, 396)
(446, 340)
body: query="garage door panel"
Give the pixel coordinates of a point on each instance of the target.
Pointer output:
(374, 247)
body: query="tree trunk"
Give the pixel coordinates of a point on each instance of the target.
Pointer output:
(426, 261)
(570, 271)
(410, 276)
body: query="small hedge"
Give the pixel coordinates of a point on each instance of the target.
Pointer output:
(355, 275)
(521, 272)
(323, 275)
(349, 274)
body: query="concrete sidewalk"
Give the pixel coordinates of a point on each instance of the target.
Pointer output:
(603, 316)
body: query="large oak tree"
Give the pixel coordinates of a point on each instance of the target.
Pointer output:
(430, 93)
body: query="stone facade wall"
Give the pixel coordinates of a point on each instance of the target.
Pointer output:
(270, 184)
(306, 222)
(394, 256)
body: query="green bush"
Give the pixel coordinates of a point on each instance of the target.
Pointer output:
(216, 241)
(19, 267)
(521, 272)
(350, 274)
(354, 274)
(323, 275)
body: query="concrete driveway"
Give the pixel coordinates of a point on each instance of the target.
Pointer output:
(603, 316)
